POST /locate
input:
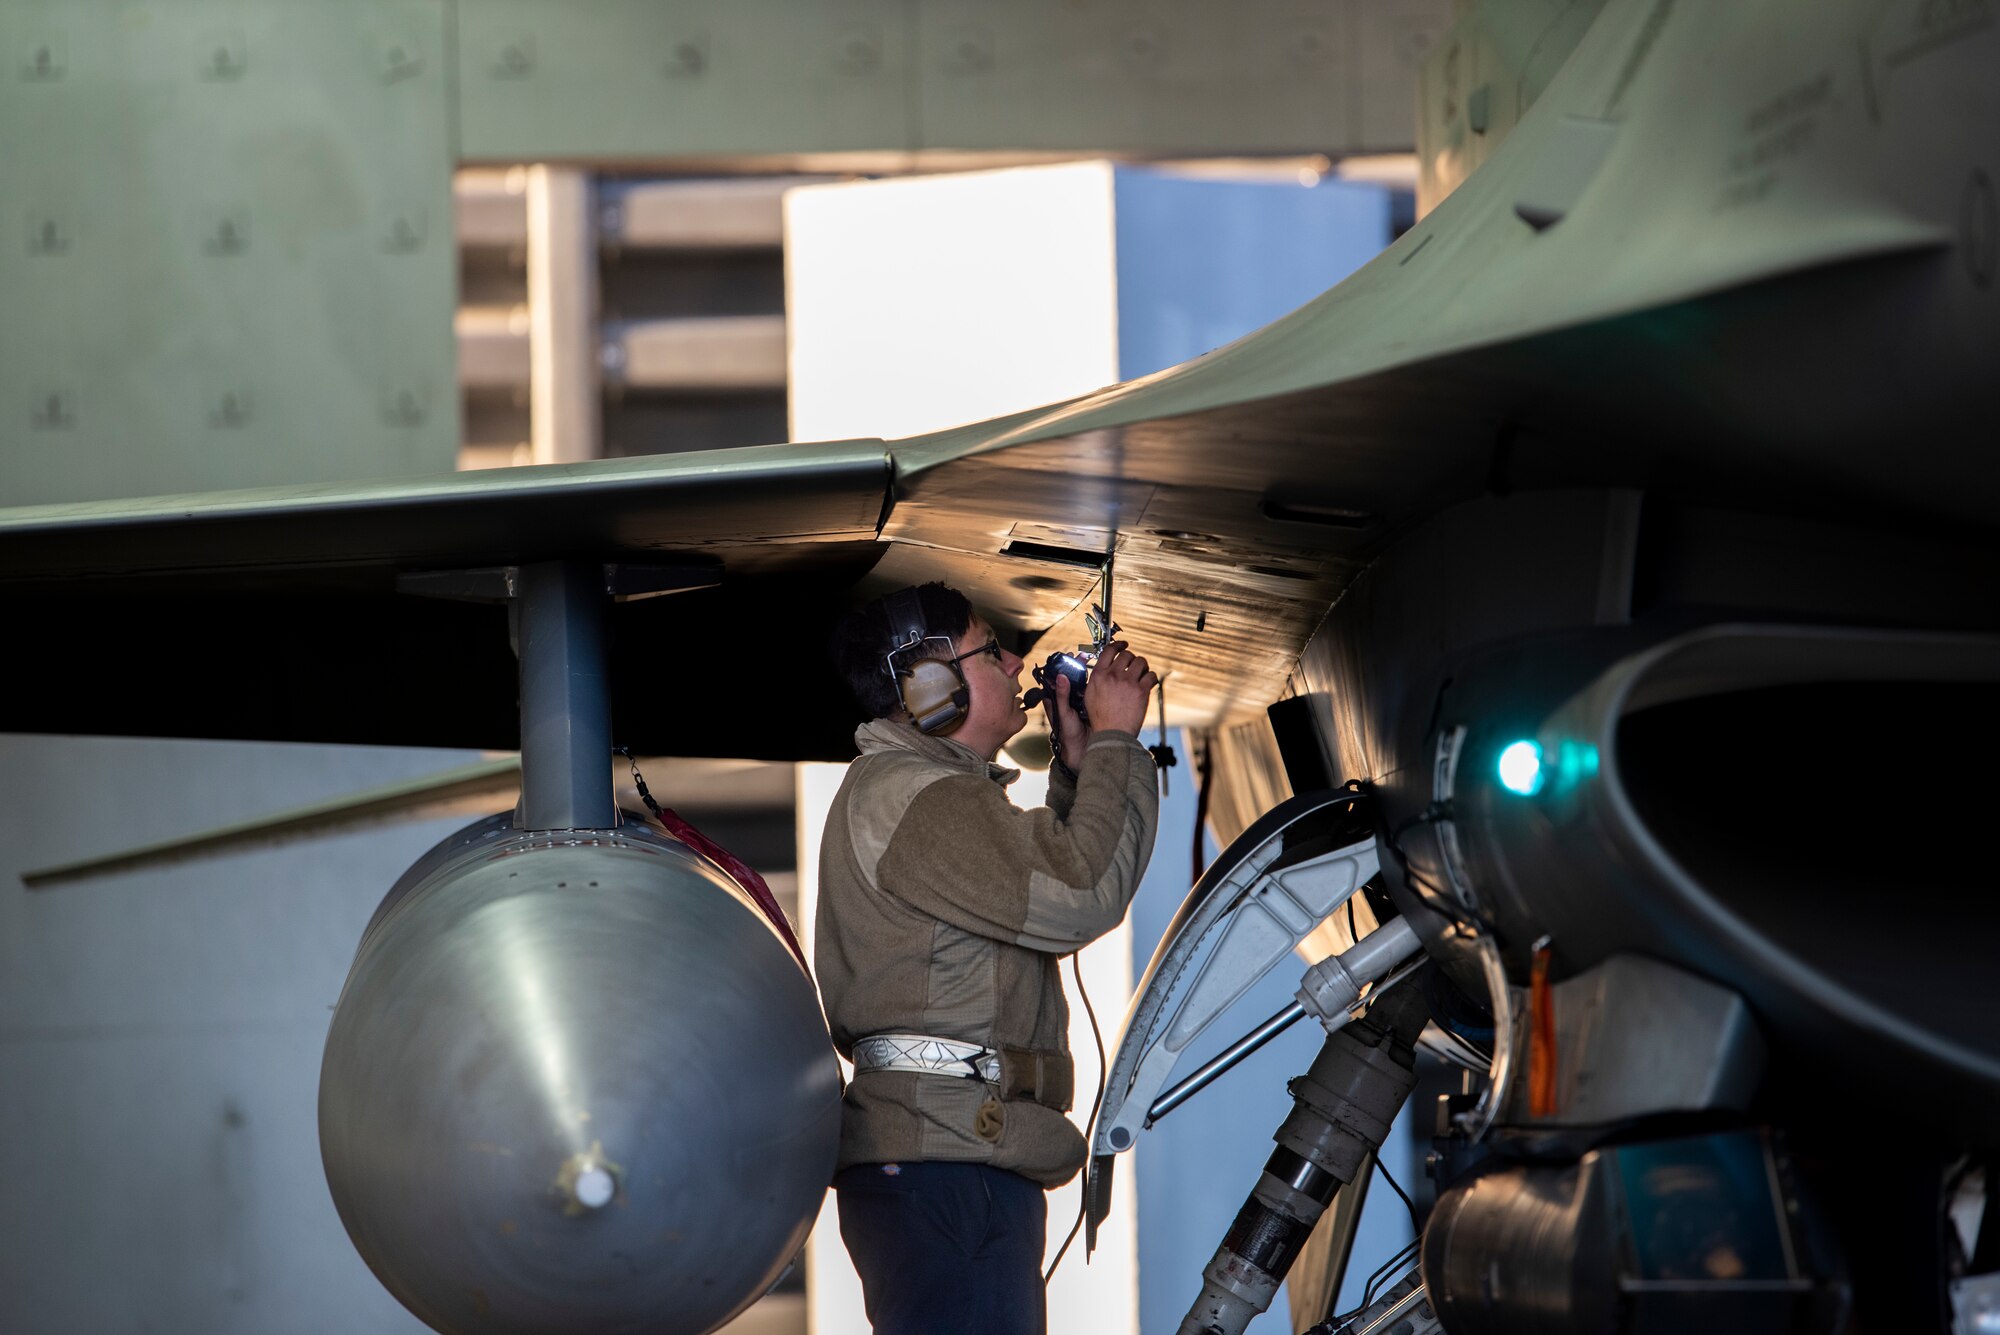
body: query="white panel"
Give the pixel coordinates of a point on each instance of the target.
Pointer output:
(928, 302)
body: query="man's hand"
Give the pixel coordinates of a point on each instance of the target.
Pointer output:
(1067, 729)
(1118, 690)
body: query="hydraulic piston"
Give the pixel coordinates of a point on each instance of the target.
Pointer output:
(1342, 1108)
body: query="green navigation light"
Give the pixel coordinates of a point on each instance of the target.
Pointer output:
(1521, 768)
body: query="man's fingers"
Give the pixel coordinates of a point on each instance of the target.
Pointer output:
(1117, 660)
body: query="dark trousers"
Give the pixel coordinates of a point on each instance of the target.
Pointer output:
(945, 1248)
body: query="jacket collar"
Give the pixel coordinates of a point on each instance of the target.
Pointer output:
(887, 734)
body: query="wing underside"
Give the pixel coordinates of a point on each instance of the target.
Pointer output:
(1643, 320)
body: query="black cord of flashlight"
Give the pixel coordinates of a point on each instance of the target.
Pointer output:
(1163, 755)
(1090, 1128)
(1204, 770)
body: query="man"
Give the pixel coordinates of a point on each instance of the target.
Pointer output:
(944, 913)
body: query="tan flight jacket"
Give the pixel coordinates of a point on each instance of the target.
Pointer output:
(945, 910)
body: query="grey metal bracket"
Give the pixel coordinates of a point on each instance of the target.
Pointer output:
(565, 702)
(557, 612)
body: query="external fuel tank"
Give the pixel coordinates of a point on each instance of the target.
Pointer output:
(575, 1082)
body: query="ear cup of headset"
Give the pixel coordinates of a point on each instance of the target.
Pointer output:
(935, 694)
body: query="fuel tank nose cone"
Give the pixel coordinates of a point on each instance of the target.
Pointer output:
(574, 1086)
(594, 1188)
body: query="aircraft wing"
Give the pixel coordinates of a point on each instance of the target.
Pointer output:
(377, 613)
(1729, 253)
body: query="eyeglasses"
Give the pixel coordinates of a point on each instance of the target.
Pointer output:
(897, 664)
(992, 646)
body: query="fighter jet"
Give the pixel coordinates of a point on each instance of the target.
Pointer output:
(1617, 550)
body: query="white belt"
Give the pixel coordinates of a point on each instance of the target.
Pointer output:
(921, 1052)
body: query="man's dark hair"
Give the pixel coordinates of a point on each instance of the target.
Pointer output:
(861, 643)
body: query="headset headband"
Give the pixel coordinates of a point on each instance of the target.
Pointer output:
(904, 611)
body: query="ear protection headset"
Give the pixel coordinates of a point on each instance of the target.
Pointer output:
(932, 691)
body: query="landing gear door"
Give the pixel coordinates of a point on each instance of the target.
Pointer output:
(1253, 906)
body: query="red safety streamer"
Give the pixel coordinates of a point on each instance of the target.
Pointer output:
(744, 874)
(740, 871)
